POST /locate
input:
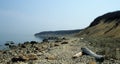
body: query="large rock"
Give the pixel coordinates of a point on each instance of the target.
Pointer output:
(24, 57)
(19, 58)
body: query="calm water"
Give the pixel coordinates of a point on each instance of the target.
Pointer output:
(17, 38)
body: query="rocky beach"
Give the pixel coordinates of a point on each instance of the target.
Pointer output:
(59, 32)
(99, 43)
(59, 51)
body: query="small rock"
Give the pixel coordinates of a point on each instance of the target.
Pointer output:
(32, 56)
(45, 40)
(91, 62)
(51, 57)
(33, 42)
(23, 46)
(64, 38)
(44, 46)
(39, 54)
(1, 52)
(7, 44)
(64, 43)
(56, 44)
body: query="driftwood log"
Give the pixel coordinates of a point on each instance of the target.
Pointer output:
(86, 51)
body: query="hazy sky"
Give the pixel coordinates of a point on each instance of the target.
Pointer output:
(32, 16)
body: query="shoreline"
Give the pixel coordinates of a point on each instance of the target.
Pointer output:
(49, 52)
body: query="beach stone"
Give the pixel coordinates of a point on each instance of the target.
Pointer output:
(64, 43)
(44, 46)
(22, 63)
(23, 58)
(51, 44)
(39, 54)
(51, 57)
(45, 40)
(33, 42)
(56, 44)
(32, 56)
(7, 44)
(19, 58)
(91, 62)
(64, 38)
(1, 52)
(23, 46)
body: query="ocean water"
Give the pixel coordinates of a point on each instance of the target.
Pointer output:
(17, 38)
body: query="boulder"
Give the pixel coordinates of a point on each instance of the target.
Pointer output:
(24, 57)
(19, 58)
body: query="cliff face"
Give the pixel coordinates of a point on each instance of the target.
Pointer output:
(107, 25)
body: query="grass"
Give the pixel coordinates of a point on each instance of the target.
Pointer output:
(110, 47)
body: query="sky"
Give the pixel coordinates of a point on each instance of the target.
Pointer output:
(33, 16)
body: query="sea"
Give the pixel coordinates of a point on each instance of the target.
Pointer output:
(17, 38)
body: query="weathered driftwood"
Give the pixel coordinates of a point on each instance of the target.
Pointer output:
(86, 51)
(77, 55)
